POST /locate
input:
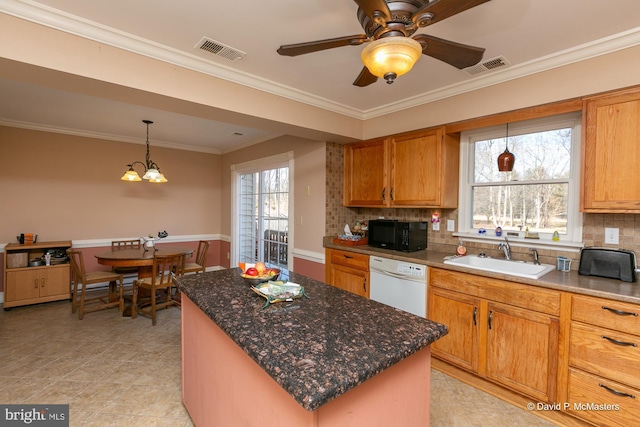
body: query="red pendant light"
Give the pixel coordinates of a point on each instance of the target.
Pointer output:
(506, 159)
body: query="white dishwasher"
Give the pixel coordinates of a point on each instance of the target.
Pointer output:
(399, 284)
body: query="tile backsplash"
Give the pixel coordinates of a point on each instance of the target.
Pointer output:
(593, 232)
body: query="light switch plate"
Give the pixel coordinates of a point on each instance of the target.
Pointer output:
(612, 236)
(435, 226)
(451, 225)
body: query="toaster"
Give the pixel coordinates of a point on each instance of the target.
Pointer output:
(610, 263)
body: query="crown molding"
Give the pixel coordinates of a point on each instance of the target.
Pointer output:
(110, 137)
(583, 52)
(60, 20)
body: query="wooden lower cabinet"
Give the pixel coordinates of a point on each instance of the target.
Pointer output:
(522, 350)
(348, 271)
(512, 346)
(34, 285)
(601, 401)
(604, 361)
(460, 313)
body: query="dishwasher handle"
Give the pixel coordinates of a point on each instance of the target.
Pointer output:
(390, 273)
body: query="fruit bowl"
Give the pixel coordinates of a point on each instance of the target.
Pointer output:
(260, 275)
(256, 280)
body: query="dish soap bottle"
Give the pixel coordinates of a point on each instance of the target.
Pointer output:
(556, 236)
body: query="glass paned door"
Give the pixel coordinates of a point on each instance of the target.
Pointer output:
(264, 217)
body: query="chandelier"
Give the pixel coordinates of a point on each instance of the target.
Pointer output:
(151, 169)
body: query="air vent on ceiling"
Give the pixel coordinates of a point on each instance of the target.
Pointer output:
(488, 65)
(220, 49)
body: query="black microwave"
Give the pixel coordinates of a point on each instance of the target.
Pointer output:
(407, 236)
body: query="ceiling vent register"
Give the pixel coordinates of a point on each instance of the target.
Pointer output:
(220, 49)
(488, 65)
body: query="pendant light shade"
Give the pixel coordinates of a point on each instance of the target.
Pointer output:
(151, 169)
(390, 57)
(506, 159)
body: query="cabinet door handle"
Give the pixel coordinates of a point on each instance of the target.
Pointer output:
(383, 191)
(35, 282)
(616, 342)
(391, 194)
(42, 282)
(347, 256)
(475, 312)
(619, 312)
(616, 392)
(490, 317)
(364, 285)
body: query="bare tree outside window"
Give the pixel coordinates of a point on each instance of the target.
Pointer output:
(535, 194)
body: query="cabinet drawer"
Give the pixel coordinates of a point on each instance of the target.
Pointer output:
(350, 259)
(620, 316)
(607, 353)
(611, 403)
(516, 294)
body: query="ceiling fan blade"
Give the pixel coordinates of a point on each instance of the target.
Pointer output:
(377, 10)
(442, 9)
(365, 78)
(456, 54)
(315, 46)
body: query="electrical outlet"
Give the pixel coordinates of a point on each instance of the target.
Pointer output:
(451, 225)
(435, 226)
(612, 236)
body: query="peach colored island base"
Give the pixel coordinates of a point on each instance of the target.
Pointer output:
(223, 386)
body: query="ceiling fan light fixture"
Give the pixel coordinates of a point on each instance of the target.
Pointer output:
(391, 57)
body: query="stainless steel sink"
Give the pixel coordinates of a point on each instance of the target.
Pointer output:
(503, 266)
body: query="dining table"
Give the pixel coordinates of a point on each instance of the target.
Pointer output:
(141, 258)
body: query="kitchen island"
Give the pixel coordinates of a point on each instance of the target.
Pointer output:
(331, 359)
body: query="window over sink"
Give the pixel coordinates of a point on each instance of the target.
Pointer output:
(542, 193)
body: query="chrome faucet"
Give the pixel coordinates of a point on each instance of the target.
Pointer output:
(506, 248)
(536, 260)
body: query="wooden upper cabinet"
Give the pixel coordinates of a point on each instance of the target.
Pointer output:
(365, 173)
(611, 153)
(418, 169)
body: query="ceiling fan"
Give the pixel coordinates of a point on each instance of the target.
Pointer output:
(393, 22)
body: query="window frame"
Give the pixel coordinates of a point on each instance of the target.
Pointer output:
(573, 239)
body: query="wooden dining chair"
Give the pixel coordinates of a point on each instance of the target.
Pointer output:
(199, 266)
(126, 244)
(165, 268)
(80, 280)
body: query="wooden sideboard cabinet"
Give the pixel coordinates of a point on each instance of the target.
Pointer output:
(611, 153)
(417, 169)
(348, 271)
(604, 361)
(30, 285)
(504, 332)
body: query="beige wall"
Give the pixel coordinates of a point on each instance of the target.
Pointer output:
(309, 173)
(65, 187)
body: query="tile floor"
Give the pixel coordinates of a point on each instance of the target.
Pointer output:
(116, 371)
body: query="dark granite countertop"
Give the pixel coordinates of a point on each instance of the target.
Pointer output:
(563, 281)
(316, 348)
